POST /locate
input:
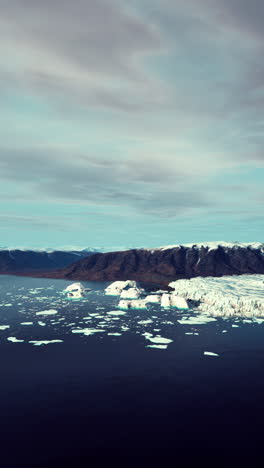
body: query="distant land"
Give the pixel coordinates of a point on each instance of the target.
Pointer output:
(30, 261)
(160, 265)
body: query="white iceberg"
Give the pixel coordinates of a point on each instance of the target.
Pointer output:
(132, 304)
(173, 300)
(131, 293)
(116, 288)
(153, 298)
(76, 291)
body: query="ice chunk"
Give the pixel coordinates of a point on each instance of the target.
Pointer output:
(88, 331)
(173, 300)
(157, 339)
(134, 304)
(209, 353)
(115, 289)
(47, 312)
(45, 342)
(157, 346)
(116, 312)
(131, 293)
(26, 323)
(115, 334)
(42, 324)
(76, 291)
(153, 298)
(13, 339)
(4, 327)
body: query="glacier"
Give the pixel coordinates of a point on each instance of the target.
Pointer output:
(229, 296)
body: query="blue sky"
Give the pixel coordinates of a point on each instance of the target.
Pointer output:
(131, 123)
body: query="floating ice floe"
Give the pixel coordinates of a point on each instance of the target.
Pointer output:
(134, 304)
(42, 324)
(196, 320)
(145, 322)
(209, 353)
(13, 339)
(173, 300)
(4, 327)
(47, 312)
(116, 288)
(157, 346)
(116, 312)
(45, 342)
(157, 339)
(227, 296)
(88, 331)
(26, 323)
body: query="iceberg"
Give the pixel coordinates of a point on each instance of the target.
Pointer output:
(116, 288)
(130, 293)
(173, 300)
(76, 291)
(227, 296)
(134, 304)
(153, 298)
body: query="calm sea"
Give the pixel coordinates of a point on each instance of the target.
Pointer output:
(80, 380)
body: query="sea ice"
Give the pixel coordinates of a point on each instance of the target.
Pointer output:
(209, 353)
(13, 339)
(47, 312)
(45, 342)
(88, 331)
(157, 346)
(4, 327)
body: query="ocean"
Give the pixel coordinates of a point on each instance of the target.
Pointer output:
(81, 379)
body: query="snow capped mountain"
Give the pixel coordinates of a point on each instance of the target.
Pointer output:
(214, 245)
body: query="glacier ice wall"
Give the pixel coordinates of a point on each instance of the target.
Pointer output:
(225, 296)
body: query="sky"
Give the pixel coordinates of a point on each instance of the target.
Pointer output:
(131, 123)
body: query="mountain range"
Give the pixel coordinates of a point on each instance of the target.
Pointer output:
(165, 264)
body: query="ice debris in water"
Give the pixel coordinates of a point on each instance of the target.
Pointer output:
(209, 353)
(45, 342)
(157, 346)
(47, 312)
(116, 312)
(13, 339)
(157, 339)
(4, 327)
(88, 331)
(26, 323)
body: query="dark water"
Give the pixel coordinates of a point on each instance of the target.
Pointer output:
(111, 395)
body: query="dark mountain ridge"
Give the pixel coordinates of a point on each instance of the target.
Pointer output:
(160, 266)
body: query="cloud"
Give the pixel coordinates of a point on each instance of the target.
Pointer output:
(89, 50)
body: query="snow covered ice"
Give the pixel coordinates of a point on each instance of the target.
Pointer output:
(229, 296)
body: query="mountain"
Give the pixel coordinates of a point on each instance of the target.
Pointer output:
(26, 261)
(165, 264)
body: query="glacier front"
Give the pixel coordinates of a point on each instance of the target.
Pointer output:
(229, 296)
